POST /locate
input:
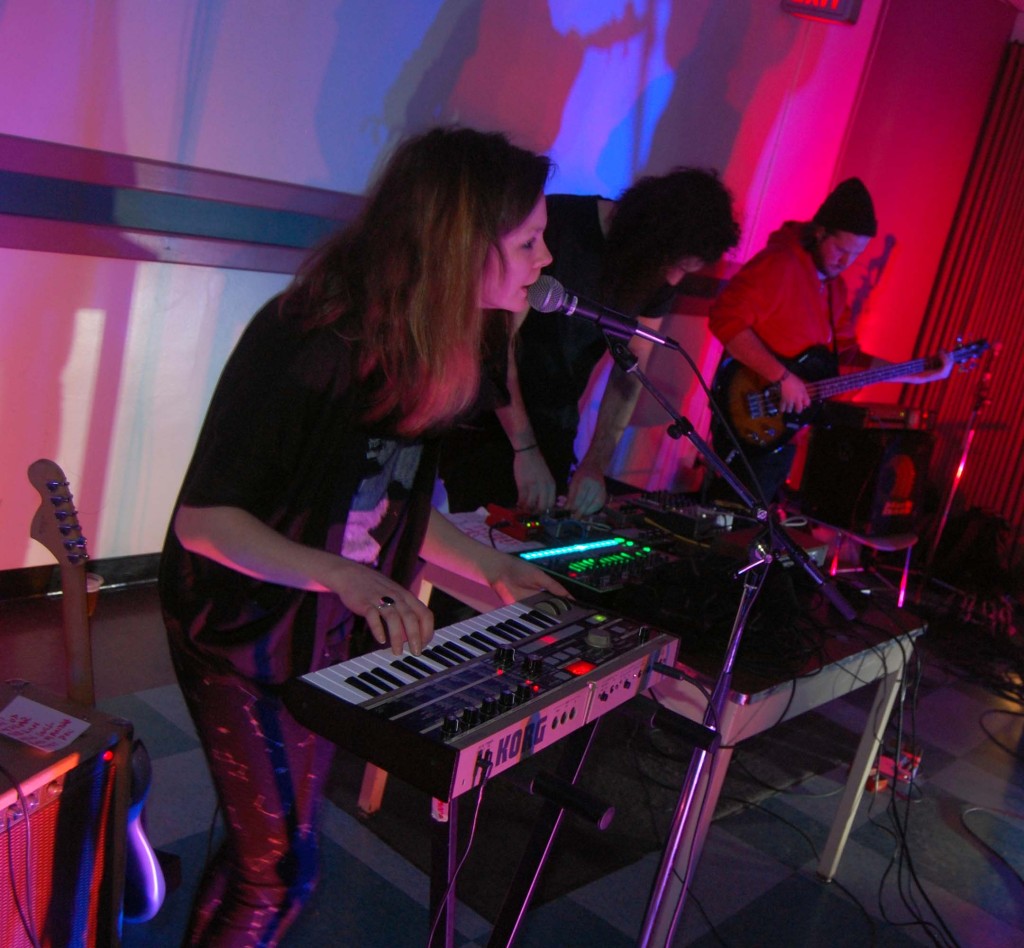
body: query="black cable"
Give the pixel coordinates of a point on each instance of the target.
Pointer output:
(791, 789)
(484, 765)
(496, 526)
(977, 836)
(707, 921)
(908, 884)
(981, 723)
(656, 832)
(814, 852)
(645, 780)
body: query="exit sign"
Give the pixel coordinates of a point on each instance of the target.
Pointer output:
(833, 11)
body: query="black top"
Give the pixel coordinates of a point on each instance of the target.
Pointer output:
(282, 441)
(556, 355)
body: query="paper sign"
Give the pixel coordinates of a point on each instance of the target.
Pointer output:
(39, 725)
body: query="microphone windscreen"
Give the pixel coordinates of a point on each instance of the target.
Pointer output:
(547, 295)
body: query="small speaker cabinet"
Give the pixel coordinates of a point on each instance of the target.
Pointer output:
(870, 480)
(62, 837)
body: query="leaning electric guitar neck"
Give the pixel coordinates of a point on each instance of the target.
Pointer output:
(751, 404)
(55, 525)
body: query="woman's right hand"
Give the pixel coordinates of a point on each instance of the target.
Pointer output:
(236, 539)
(392, 613)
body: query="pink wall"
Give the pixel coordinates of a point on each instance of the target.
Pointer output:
(108, 363)
(911, 140)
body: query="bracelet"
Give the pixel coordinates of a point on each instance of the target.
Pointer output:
(529, 447)
(782, 378)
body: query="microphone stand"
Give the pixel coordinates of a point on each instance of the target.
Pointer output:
(670, 890)
(682, 427)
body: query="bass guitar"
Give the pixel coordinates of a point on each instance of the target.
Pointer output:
(751, 403)
(55, 525)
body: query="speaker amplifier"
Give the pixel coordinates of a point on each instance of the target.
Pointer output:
(868, 480)
(63, 835)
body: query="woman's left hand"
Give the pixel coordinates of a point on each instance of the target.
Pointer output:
(514, 579)
(510, 577)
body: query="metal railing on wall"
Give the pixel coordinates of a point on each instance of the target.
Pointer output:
(64, 199)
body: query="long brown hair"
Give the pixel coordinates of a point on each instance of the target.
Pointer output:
(402, 282)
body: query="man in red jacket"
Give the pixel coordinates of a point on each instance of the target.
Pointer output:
(789, 298)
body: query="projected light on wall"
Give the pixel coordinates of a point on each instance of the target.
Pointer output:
(618, 95)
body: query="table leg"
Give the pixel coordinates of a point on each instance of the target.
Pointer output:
(874, 730)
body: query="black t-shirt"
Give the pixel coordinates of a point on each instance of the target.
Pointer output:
(555, 356)
(282, 441)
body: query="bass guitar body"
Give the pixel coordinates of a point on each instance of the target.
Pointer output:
(751, 403)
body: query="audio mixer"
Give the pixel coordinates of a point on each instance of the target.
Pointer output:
(623, 545)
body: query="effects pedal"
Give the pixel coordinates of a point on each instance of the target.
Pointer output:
(516, 525)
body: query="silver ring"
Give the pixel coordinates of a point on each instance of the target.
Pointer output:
(385, 602)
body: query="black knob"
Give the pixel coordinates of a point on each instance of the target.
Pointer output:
(533, 667)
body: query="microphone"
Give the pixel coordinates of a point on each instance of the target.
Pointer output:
(547, 295)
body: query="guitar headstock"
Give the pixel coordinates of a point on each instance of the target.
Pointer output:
(55, 523)
(970, 353)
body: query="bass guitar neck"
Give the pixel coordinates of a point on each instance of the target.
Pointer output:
(752, 407)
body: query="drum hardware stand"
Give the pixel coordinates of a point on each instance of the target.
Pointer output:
(669, 891)
(981, 401)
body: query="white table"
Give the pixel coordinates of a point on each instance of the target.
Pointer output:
(756, 705)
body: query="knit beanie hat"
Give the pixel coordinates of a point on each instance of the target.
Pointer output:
(849, 208)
